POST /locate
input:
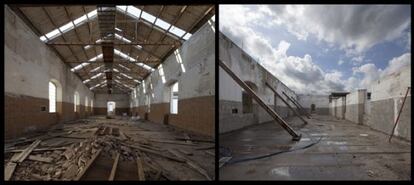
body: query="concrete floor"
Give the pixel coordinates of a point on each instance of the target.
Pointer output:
(347, 151)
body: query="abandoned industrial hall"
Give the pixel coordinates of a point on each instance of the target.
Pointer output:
(109, 93)
(286, 114)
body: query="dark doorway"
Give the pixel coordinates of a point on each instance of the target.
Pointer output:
(313, 108)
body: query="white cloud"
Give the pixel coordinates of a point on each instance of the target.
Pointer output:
(302, 74)
(370, 73)
(354, 28)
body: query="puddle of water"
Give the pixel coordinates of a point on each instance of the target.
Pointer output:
(363, 135)
(336, 142)
(319, 134)
(305, 139)
(280, 171)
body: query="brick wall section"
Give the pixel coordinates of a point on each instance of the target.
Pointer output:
(195, 114)
(23, 114)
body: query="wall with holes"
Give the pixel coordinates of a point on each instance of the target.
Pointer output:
(192, 66)
(231, 111)
(29, 66)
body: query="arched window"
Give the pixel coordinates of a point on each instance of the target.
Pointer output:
(91, 105)
(174, 98)
(52, 97)
(76, 101)
(86, 103)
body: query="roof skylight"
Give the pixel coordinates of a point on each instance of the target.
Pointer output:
(68, 26)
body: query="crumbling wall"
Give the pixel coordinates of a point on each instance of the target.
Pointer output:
(29, 66)
(231, 116)
(193, 67)
(321, 103)
(121, 103)
(386, 100)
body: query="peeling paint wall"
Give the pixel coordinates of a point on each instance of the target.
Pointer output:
(29, 66)
(231, 116)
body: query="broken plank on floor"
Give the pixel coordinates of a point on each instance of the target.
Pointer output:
(115, 165)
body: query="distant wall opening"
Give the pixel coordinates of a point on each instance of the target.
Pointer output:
(313, 108)
(111, 106)
(174, 98)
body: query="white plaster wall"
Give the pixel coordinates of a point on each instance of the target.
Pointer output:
(247, 69)
(30, 64)
(195, 73)
(320, 101)
(394, 85)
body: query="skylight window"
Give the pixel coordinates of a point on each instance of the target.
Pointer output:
(96, 69)
(65, 28)
(53, 34)
(123, 74)
(116, 70)
(137, 81)
(123, 55)
(121, 8)
(148, 17)
(187, 36)
(149, 68)
(122, 38)
(96, 76)
(177, 31)
(95, 58)
(124, 67)
(138, 47)
(87, 46)
(117, 29)
(118, 77)
(162, 24)
(69, 26)
(135, 12)
(86, 81)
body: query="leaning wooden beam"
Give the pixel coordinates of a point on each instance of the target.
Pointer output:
(27, 151)
(297, 106)
(114, 166)
(296, 101)
(141, 174)
(88, 164)
(192, 164)
(284, 101)
(36, 150)
(172, 142)
(279, 119)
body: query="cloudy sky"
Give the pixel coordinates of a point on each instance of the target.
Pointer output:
(318, 48)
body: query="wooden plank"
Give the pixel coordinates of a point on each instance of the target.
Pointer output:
(141, 174)
(88, 164)
(210, 153)
(223, 161)
(122, 135)
(270, 111)
(41, 159)
(114, 166)
(27, 151)
(206, 148)
(9, 170)
(172, 142)
(110, 130)
(192, 164)
(161, 169)
(155, 152)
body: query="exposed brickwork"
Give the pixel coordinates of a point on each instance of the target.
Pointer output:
(195, 114)
(23, 114)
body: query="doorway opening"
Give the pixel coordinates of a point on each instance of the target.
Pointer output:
(313, 108)
(111, 106)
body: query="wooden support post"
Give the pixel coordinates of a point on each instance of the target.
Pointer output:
(279, 119)
(114, 166)
(399, 113)
(9, 170)
(297, 106)
(284, 101)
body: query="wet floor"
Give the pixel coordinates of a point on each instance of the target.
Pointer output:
(345, 151)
